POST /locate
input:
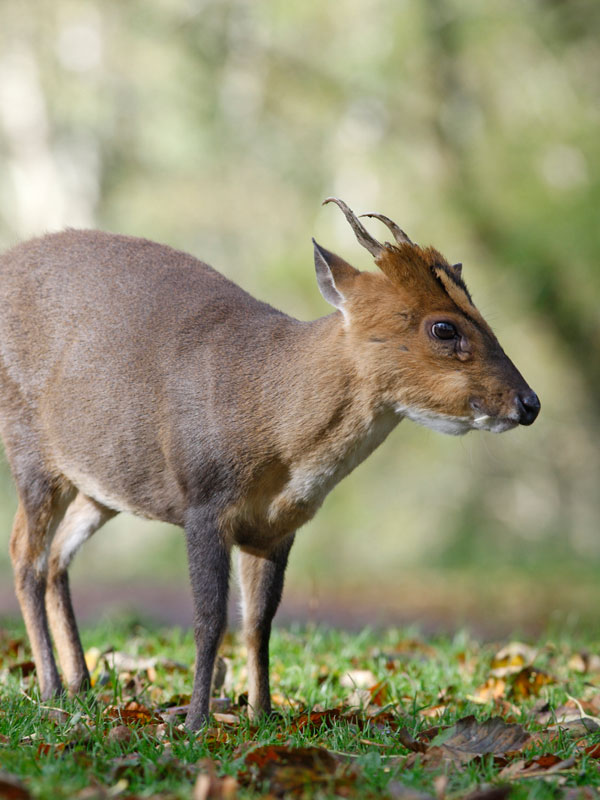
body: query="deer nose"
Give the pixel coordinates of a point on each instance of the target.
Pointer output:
(528, 407)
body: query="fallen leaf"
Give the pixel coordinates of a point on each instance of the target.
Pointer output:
(468, 739)
(121, 734)
(358, 679)
(433, 712)
(584, 662)
(328, 718)
(44, 748)
(92, 656)
(11, 788)
(227, 719)
(414, 647)
(580, 793)
(360, 698)
(209, 786)
(489, 793)
(536, 767)
(528, 682)
(124, 662)
(408, 740)
(379, 693)
(398, 791)
(221, 704)
(593, 751)
(493, 689)
(24, 667)
(292, 770)
(133, 714)
(512, 658)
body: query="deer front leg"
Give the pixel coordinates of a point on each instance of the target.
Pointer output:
(209, 560)
(261, 580)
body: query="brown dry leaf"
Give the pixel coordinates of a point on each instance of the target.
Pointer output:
(398, 791)
(571, 716)
(44, 748)
(227, 719)
(120, 733)
(11, 788)
(124, 662)
(581, 793)
(214, 738)
(329, 718)
(584, 662)
(467, 664)
(209, 786)
(493, 689)
(528, 682)
(593, 751)
(539, 766)
(490, 793)
(221, 704)
(360, 698)
(122, 766)
(512, 658)
(290, 771)
(434, 712)
(24, 667)
(468, 739)
(379, 693)
(10, 647)
(358, 679)
(407, 739)
(133, 714)
(414, 647)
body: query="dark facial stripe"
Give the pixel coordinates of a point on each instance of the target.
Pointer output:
(456, 279)
(458, 293)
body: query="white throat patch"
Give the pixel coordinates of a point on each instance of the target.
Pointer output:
(442, 423)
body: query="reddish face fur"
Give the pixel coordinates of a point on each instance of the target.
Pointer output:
(451, 385)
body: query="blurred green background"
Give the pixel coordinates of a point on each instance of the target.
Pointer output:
(219, 127)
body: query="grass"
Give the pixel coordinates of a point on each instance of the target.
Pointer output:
(113, 740)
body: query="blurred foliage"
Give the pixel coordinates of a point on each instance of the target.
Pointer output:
(219, 126)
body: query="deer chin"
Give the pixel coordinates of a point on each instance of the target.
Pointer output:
(442, 423)
(455, 425)
(485, 422)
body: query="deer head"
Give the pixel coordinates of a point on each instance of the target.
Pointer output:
(417, 337)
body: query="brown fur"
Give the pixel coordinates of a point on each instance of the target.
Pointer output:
(134, 377)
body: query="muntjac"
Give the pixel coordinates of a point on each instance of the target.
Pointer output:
(134, 377)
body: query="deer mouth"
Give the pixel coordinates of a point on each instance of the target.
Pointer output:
(524, 407)
(493, 424)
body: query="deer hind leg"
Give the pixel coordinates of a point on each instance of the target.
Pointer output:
(42, 504)
(82, 519)
(261, 581)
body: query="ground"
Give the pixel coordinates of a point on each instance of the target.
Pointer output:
(371, 714)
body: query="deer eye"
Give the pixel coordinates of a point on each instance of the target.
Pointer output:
(444, 330)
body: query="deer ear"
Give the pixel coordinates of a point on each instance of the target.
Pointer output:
(333, 275)
(457, 269)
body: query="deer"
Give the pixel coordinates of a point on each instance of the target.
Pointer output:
(136, 378)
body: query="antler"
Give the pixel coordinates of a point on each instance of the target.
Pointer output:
(363, 236)
(399, 234)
